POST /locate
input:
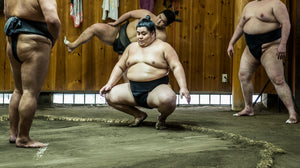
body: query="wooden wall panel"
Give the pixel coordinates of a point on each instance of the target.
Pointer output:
(200, 43)
(200, 40)
(294, 54)
(6, 81)
(2, 53)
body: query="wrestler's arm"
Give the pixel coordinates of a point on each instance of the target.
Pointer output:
(49, 9)
(178, 71)
(282, 16)
(116, 73)
(237, 34)
(4, 11)
(135, 14)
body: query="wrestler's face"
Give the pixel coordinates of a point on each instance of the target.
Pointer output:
(145, 37)
(161, 21)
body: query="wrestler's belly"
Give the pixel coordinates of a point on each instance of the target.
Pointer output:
(145, 73)
(255, 26)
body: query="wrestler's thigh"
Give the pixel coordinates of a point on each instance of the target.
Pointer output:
(272, 65)
(121, 94)
(105, 32)
(15, 65)
(248, 63)
(161, 94)
(35, 54)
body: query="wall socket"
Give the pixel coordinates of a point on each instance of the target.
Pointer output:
(224, 78)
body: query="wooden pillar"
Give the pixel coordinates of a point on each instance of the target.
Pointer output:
(295, 45)
(237, 95)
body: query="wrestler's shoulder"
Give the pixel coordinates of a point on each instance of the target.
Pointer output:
(133, 45)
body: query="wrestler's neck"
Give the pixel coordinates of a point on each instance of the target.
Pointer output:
(160, 27)
(147, 44)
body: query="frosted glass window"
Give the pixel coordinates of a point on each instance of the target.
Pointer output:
(225, 99)
(68, 98)
(214, 99)
(90, 99)
(204, 99)
(1, 98)
(79, 99)
(58, 98)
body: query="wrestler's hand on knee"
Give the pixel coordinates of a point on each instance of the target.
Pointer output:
(105, 89)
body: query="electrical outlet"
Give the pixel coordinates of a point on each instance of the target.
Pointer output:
(224, 78)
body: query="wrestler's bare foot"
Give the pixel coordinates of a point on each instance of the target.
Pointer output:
(29, 143)
(68, 45)
(12, 139)
(160, 125)
(245, 112)
(293, 119)
(138, 120)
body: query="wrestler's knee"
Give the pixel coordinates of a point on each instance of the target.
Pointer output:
(99, 28)
(278, 80)
(108, 98)
(94, 28)
(111, 98)
(168, 99)
(30, 94)
(18, 91)
(244, 76)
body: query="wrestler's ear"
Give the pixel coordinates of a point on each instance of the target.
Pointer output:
(153, 33)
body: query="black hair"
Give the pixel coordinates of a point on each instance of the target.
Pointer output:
(146, 22)
(169, 15)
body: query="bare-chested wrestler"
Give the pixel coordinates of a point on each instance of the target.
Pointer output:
(266, 26)
(32, 28)
(121, 36)
(147, 63)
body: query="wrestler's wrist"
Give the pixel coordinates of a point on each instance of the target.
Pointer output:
(283, 44)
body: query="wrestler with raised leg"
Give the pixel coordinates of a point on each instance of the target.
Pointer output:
(120, 36)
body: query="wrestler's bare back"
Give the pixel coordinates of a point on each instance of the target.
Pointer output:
(146, 64)
(131, 32)
(29, 9)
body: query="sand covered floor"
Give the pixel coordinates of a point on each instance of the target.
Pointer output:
(202, 136)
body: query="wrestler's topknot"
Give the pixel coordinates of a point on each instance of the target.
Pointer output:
(146, 22)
